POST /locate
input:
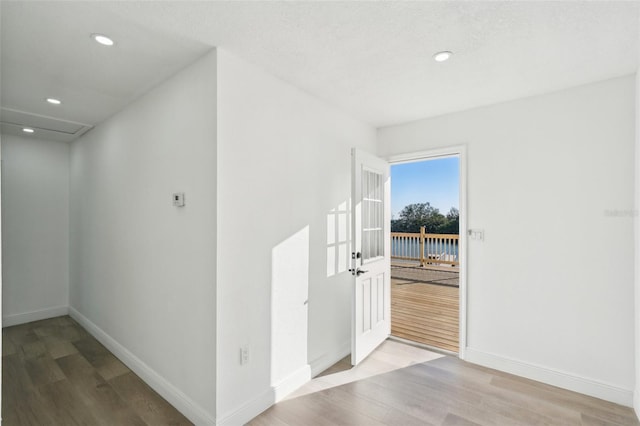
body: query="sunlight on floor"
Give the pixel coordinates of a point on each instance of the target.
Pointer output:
(389, 356)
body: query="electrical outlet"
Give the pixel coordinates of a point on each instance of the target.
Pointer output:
(178, 199)
(244, 354)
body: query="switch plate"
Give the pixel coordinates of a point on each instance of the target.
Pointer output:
(476, 234)
(178, 199)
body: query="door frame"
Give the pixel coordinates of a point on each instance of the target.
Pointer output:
(461, 152)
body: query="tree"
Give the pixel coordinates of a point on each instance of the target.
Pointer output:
(453, 214)
(414, 216)
(452, 222)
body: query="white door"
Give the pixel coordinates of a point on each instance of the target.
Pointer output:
(370, 265)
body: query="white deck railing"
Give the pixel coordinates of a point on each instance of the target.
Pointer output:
(433, 249)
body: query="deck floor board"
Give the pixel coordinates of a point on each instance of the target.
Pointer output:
(424, 310)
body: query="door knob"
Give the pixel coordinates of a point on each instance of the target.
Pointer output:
(360, 272)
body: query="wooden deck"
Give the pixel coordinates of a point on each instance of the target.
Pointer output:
(424, 307)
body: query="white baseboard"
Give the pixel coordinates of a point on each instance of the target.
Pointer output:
(327, 359)
(23, 318)
(636, 400)
(552, 377)
(266, 399)
(249, 409)
(175, 396)
(291, 383)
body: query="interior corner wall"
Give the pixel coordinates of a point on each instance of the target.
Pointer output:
(283, 187)
(35, 222)
(550, 180)
(142, 270)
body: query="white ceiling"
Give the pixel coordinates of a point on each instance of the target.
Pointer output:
(46, 51)
(370, 59)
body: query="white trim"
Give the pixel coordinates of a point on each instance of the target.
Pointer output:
(249, 409)
(291, 383)
(461, 152)
(26, 317)
(277, 392)
(423, 346)
(553, 377)
(327, 359)
(462, 249)
(173, 395)
(413, 157)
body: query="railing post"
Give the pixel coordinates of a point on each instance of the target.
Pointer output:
(422, 235)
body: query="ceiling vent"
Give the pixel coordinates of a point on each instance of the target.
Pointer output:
(12, 122)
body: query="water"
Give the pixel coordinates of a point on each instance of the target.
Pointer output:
(411, 248)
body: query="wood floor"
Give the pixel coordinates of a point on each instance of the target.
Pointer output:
(424, 308)
(390, 355)
(445, 392)
(55, 373)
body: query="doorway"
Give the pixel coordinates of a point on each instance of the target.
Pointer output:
(427, 250)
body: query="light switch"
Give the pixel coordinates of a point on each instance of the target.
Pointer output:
(178, 199)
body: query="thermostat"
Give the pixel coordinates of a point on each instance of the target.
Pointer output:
(178, 199)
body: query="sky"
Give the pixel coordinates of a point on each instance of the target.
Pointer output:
(435, 181)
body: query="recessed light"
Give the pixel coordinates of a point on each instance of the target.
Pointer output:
(102, 39)
(28, 130)
(54, 101)
(442, 56)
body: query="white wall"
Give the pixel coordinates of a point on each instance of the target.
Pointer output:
(283, 166)
(1, 286)
(636, 395)
(35, 222)
(143, 271)
(636, 399)
(550, 180)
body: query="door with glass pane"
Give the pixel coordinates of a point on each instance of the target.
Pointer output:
(371, 310)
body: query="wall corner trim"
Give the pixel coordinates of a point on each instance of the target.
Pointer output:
(277, 392)
(326, 360)
(562, 379)
(23, 318)
(292, 382)
(249, 409)
(175, 396)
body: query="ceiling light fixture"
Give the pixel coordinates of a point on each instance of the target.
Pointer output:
(442, 56)
(102, 39)
(54, 101)
(28, 130)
